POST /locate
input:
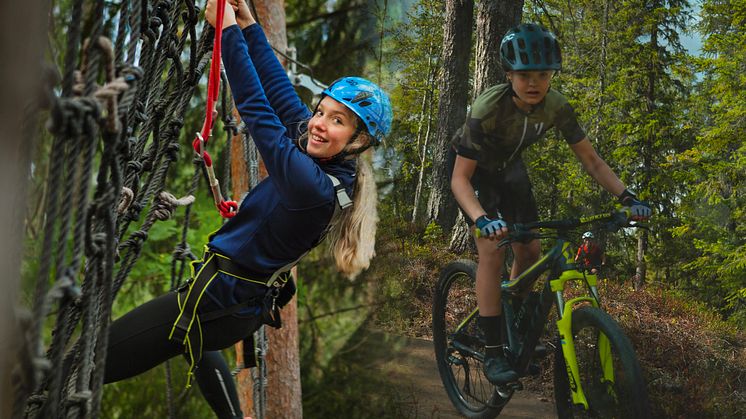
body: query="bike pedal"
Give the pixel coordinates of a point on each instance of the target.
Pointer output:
(512, 386)
(454, 360)
(540, 351)
(533, 369)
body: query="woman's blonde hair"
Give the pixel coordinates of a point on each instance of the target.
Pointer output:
(353, 234)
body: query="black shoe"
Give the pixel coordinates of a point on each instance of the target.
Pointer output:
(498, 371)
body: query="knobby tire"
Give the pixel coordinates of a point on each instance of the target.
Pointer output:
(459, 365)
(626, 397)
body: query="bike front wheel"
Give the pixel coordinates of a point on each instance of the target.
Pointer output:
(459, 343)
(610, 375)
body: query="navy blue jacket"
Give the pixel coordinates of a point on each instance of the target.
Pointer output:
(284, 216)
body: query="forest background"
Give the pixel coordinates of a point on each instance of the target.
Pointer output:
(671, 123)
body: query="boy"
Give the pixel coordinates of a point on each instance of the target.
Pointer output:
(489, 179)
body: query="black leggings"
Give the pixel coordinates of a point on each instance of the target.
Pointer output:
(138, 341)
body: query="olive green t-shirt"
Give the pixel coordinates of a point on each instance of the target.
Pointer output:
(497, 131)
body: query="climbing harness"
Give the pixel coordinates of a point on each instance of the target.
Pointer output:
(187, 329)
(227, 209)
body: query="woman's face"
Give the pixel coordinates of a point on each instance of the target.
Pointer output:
(330, 129)
(531, 86)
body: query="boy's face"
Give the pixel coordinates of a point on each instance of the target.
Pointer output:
(531, 86)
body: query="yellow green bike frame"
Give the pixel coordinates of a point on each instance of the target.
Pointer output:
(564, 326)
(559, 260)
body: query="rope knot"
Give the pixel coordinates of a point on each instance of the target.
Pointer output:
(65, 287)
(136, 239)
(126, 199)
(134, 166)
(166, 205)
(230, 126)
(172, 151)
(96, 244)
(182, 251)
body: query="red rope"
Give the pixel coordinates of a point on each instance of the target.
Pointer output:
(227, 209)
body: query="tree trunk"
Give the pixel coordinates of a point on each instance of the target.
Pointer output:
(647, 151)
(283, 386)
(454, 85)
(641, 270)
(602, 70)
(19, 75)
(493, 20)
(426, 121)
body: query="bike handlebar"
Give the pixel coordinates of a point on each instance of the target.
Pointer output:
(524, 232)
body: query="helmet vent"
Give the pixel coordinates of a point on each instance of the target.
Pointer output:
(535, 52)
(511, 53)
(524, 58)
(362, 96)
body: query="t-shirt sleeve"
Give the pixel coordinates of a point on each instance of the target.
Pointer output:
(567, 123)
(468, 139)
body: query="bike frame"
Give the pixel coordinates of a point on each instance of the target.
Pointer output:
(560, 262)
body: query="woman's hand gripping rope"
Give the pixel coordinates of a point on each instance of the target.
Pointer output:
(215, 13)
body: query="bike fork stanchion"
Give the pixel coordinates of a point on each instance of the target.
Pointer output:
(604, 352)
(564, 326)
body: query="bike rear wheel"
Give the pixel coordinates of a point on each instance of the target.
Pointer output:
(621, 394)
(460, 354)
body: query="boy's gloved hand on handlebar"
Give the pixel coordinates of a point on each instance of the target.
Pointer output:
(638, 210)
(487, 227)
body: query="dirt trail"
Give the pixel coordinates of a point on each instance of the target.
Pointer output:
(412, 371)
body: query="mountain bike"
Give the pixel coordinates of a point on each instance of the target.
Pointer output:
(596, 371)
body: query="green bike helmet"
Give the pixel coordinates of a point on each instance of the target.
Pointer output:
(530, 47)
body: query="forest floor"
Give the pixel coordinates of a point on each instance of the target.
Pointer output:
(410, 365)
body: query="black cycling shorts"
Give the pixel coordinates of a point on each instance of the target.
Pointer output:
(507, 191)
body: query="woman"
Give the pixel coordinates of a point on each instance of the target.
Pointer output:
(244, 276)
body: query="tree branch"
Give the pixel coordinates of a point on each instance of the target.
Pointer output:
(323, 16)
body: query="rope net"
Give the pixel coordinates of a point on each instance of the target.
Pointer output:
(116, 115)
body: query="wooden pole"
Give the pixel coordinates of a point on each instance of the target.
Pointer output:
(283, 361)
(22, 29)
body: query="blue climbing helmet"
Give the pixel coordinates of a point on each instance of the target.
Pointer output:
(367, 100)
(530, 47)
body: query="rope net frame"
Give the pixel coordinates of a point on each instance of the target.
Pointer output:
(116, 115)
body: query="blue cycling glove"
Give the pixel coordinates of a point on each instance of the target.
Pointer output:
(487, 227)
(638, 210)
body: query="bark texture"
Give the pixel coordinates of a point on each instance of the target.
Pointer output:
(454, 88)
(20, 76)
(283, 387)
